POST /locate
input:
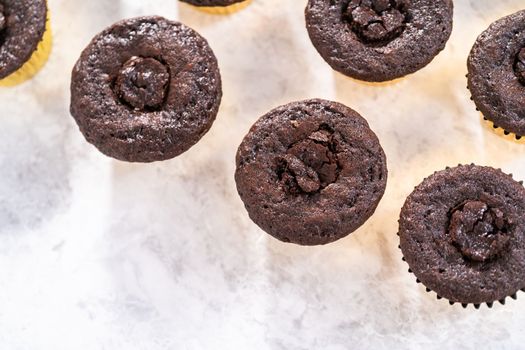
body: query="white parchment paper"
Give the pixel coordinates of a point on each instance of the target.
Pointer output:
(100, 254)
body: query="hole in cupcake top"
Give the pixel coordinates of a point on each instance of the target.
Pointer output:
(311, 164)
(377, 22)
(478, 231)
(142, 83)
(519, 66)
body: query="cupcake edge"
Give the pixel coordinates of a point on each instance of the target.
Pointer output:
(35, 63)
(496, 129)
(439, 297)
(317, 240)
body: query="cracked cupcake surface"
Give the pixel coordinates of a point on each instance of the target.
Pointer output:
(22, 27)
(145, 89)
(462, 232)
(496, 73)
(479, 231)
(377, 21)
(310, 172)
(379, 40)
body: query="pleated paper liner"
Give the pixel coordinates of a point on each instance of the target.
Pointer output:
(378, 84)
(465, 305)
(372, 83)
(502, 132)
(224, 10)
(35, 63)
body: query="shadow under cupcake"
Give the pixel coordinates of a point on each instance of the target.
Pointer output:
(218, 7)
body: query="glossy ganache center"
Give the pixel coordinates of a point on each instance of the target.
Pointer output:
(478, 231)
(310, 164)
(142, 83)
(519, 66)
(3, 20)
(377, 21)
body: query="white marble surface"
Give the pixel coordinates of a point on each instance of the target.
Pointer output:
(99, 254)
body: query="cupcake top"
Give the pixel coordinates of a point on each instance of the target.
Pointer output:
(311, 172)
(379, 40)
(212, 2)
(462, 233)
(22, 25)
(496, 77)
(145, 89)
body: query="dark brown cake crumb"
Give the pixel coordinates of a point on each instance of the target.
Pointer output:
(311, 164)
(479, 231)
(377, 21)
(519, 67)
(2, 18)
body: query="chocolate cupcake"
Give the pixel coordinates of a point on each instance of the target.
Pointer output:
(310, 172)
(145, 89)
(25, 40)
(379, 40)
(462, 233)
(496, 77)
(218, 6)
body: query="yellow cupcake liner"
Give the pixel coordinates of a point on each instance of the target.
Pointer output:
(224, 10)
(502, 132)
(372, 83)
(35, 63)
